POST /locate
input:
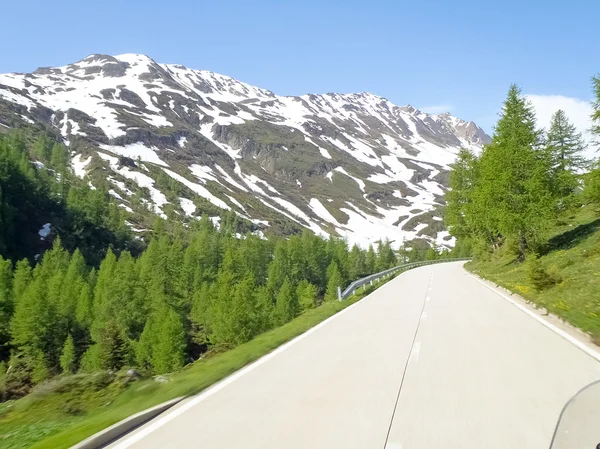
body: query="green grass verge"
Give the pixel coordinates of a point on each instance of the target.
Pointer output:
(65, 411)
(572, 263)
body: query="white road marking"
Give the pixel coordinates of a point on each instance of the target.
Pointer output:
(414, 355)
(393, 446)
(423, 316)
(589, 351)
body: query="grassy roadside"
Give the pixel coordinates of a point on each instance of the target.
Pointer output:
(566, 281)
(65, 411)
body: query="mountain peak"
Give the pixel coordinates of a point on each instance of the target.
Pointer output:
(353, 165)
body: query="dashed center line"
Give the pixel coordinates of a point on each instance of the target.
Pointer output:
(414, 355)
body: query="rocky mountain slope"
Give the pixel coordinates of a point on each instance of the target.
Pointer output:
(181, 142)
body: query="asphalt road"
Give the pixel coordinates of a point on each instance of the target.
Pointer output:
(433, 359)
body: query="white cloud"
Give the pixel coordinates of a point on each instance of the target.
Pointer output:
(437, 108)
(578, 111)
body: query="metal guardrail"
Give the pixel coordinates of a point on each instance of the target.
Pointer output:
(349, 291)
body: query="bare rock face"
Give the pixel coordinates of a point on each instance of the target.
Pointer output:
(352, 165)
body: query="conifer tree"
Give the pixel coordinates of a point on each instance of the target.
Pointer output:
(371, 260)
(357, 263)
(564, 148)
(265, 304)
(334, 280)
(169, 344)
(31, 339)
(307, 295)
(21, 279)
(286, 305)
(513, 185)
(200, 314)
(592, 179)
(70, 290)
(460, 216)
(385, 256)
(244, 321)
(596, 110)
(278, 268)
(59, 158)
(68, 357)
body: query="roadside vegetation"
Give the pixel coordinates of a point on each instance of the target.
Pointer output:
(69, 408)
(528, 208)
(91, 314)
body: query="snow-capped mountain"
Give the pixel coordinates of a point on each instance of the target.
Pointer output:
(192, 141)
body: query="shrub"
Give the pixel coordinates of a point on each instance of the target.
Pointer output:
(538, 275)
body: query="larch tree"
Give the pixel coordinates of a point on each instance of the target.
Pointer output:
(564, 147)
(334, 280)
(371, 260)
(286, 306)
(592, 179)
(513, 184)
(68, 358)
(460, 216)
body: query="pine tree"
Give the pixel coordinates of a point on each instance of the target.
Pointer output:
(334, 280)
(265, 308)
(279, 267)
(123, 305)
(30, 338)
(113, 349)
(286, 306)
(143, 348)
(340, 255)
(596, 109)
(307, 295)
(592, 179)
(432, 253)
(70, 290)
(513, 185)
(83, 310)
(357, 263)
(102, 310)
(385, 256)
(168, 349)
(371, 260)
(296, 261)
(200, 314)
(68, 357)
(22, 278)
(244, 322)
(315, 259)
(592, 185)
(564, 148)
(460, 216)
(221, 307)
(41, 149)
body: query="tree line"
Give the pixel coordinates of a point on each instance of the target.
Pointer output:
(187, 292)
(89, 303)
(522, 182)
(100, 298)
(37, 187)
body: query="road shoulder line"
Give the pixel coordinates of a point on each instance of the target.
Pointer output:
(571, 339)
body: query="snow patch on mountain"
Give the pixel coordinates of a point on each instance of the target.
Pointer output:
(232, 138)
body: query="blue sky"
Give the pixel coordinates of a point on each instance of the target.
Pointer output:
(437, 55)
